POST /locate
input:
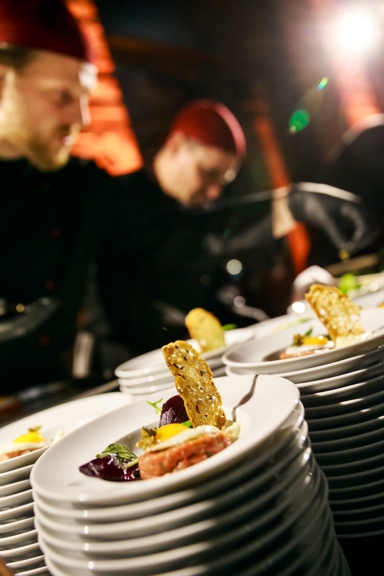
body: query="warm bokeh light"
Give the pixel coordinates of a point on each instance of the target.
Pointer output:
(298, 307)
(357, 97)
(357, 31)
(109, 140)
(234, 267)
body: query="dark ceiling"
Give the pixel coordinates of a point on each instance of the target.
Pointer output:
(238, 51)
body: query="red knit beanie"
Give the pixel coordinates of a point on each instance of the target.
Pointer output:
(42, 25)
(213, 124)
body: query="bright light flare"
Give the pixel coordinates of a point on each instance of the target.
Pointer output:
(357, 32)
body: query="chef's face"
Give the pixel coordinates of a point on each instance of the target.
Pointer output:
(43, 107)
(199, 172)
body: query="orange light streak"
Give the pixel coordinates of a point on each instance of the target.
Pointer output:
(109, 139)
(298, 239)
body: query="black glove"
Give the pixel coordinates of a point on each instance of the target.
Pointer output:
(254, 236)
(349, 225)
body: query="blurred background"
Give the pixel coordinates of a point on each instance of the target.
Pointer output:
(297, 74)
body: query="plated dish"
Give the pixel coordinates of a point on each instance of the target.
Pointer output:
(67, 417)
(152, 362)
(254, 355)
(273, 401)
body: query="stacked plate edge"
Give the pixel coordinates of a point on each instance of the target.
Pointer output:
(19, 546)
(148, 372)
(260, 506)
(344, 408)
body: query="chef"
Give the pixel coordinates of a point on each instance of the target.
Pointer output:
(60, 215)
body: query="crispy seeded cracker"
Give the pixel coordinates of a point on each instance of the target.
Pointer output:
(194, 383)
(205, 328)
(337, 312)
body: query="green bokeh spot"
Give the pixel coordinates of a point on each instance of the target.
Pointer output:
(299, 120)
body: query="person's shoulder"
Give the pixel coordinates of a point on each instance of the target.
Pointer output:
(83, 167)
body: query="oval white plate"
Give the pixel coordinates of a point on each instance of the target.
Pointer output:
(292, 435)
(333, 369)
(348, 392)
(273, 401)
(251, 355)
(280, 323)
(14, 487)
(16, 499)
(14, 526)
(295, 458)
(341, 380)
(15, 475)
(153, 362)
(67, 416)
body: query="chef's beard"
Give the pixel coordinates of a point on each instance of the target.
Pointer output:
(45, 156)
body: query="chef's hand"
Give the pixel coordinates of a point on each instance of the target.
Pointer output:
(256, 235)
(349, 225)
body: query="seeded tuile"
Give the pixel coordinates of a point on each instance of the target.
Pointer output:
(194, 383)
(339, 314)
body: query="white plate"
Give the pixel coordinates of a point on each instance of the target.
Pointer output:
(348, 392)
(17, 538)
(145, 389)
(293, 479)
(273, 401)
(15, 475)
(306, 509)
(33, 560)
(251, 355)
(307, 375)
(344, 406)
(67, 416)
(292, 462)
(349, 467)
(280, 323)
(16, 512)
(15, 487)
(16, 499)
(370, 300)
(341, 380)
(34, 572)
(153, 362)
(14, 526)
(355, 441)
(347, 431)
(353, 417)
(15, 554)
(290, 438)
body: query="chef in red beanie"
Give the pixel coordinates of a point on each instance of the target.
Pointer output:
(202, 153)
(46, 74)
(58, 213)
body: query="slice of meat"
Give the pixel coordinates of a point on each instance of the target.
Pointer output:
(152, 464)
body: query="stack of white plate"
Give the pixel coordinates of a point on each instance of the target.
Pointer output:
(257, 507)
(19, 547)
(343, 395)
(148, 373)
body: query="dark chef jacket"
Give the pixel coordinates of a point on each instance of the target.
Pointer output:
(169, 270)
(147, 247)
(52, 226)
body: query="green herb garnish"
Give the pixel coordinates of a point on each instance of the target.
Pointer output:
(298, 339)
(155, 405)
(227, 327)
(120, 452)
